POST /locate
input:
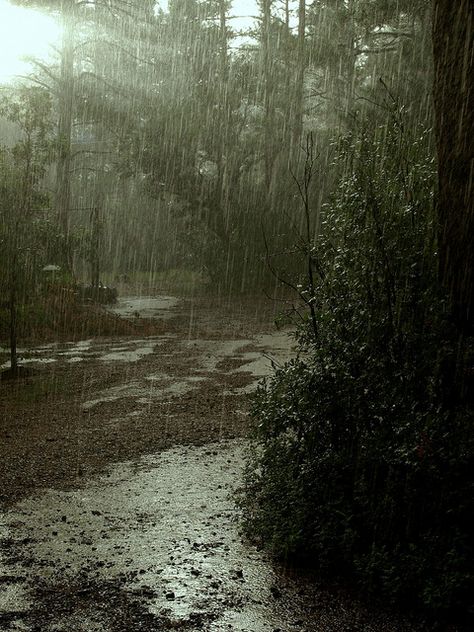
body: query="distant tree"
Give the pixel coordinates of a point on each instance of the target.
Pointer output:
(62, 85)
(453, 49)
(65, 117)
(22, 169)
(300, 72)
(268, 80)
(166, 108)
(352, 44)
(85, 84)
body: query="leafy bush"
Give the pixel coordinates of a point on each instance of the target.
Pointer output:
(362, 454)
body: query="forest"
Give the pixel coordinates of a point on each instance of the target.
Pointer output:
(191, 181)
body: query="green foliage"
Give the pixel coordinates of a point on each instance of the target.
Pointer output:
(362, 457)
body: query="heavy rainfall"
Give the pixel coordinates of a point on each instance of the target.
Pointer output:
(236, 315)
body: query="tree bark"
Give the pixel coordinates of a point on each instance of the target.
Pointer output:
(453, 54)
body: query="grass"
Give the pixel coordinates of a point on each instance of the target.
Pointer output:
(61, 316)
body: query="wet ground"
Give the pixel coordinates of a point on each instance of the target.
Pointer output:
(118, 487)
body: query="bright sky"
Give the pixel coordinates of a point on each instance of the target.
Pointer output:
(23, 32)
(26, 32)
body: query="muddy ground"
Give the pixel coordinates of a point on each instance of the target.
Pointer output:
(118, 459)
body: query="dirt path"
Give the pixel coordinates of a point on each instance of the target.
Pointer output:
(99, 401)
(107, 527)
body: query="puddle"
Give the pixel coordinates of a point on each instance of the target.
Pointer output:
(207, 355)
(271, 349)
(6, 365)
(127, 356)
(84, 344)
(161, 307)
(145, 393)
(128, 351)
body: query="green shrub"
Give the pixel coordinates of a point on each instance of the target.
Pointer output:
(362, 452)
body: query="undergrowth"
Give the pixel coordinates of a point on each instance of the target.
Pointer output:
(57, 312)
(361, 461)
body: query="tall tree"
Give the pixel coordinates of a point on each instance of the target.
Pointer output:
(300, 69)
(65, 117)
(453, 52)
(268, 87)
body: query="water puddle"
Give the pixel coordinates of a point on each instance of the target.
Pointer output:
(209, 362)
(161, 307)
(127, 355)
(123, 351)
(267, 350)
(145, 392)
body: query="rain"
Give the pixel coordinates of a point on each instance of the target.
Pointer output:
(236, 315)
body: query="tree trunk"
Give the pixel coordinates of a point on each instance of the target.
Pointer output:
(13, 332)
(66, 99)
(96, 229)
(288, 133)
(224, 116)
(268, 83)
(350, 65)
(453, 53)
(299, 82)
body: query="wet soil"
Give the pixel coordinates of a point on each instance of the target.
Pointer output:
(96, 401)
(118, 459)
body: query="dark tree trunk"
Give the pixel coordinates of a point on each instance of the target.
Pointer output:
(453, 53)
(95, 248)
(13, 331)
(224, 119)
(268, 82)
(66, 100)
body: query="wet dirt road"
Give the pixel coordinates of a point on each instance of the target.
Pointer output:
(151, 542)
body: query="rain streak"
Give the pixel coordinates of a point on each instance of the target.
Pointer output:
(236, 315)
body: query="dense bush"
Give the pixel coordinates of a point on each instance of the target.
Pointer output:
(362, 453)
